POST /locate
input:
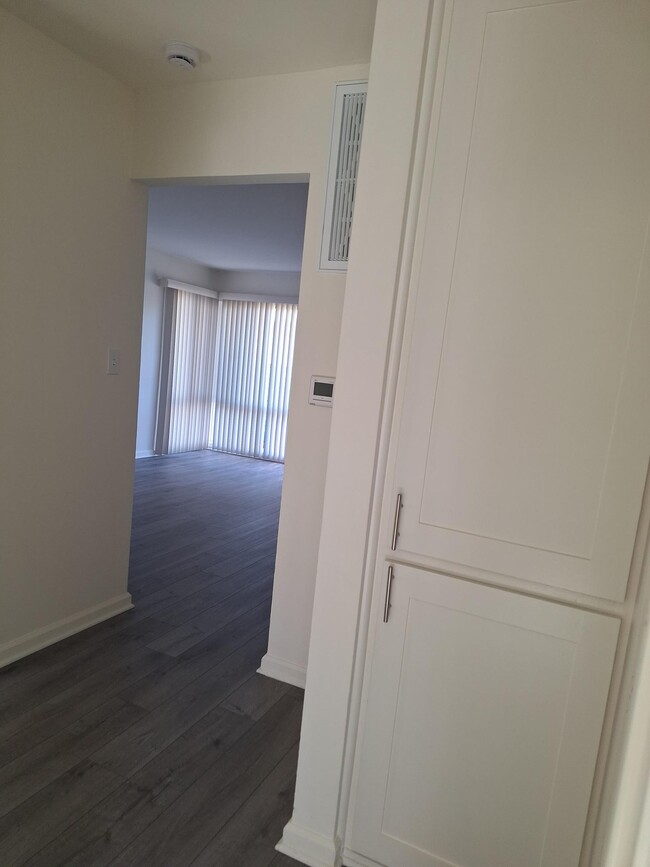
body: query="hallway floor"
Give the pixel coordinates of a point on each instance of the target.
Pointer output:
(149, 739)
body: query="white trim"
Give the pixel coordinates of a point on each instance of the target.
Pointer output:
(309, 847)
(282, 669)
(392, 118)
(227, 296)
(227, 180)
(265, 299)
(628, 835)
(144, 453)
(187, 287)
(642, 848)
(46, 635)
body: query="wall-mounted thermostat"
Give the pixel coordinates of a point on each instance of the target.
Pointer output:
(322, 390)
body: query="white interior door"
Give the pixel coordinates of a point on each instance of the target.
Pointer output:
(524, 442)
(481, 727)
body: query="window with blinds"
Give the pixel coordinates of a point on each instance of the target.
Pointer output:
(225, 374)
(188, 371)
(345, 146)
(254, 357)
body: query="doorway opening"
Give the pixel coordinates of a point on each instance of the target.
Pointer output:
(219, 320)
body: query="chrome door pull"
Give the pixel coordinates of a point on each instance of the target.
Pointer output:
(398, 507)
(389, 583)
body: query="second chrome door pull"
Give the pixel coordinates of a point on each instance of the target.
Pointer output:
(389, 582)
(398, 508)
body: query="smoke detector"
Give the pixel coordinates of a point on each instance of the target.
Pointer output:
(181, 54)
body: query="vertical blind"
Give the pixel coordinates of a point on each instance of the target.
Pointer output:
(192, 372)
(227, 377)
(255, 352)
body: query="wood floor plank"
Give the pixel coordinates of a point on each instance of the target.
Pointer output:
(48, 718)
(246, 840)
(189, 824)
(99, 835)
(193, 631)
(34, 770)
(102, 650)
(154, 743)
(104, 831)
(282, 860)
(131, 750)
(165, 684)
(215, 592)
(256, 696)
(40, 819)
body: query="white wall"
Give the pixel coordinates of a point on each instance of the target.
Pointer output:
(271, 126)
(159, 266)
(317, 826)
(72, 241)
(260, 282)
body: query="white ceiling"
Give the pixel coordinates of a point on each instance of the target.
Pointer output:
(237, 227)
(238, 38)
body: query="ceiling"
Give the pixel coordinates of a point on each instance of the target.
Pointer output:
(236, 227)
(237, 38)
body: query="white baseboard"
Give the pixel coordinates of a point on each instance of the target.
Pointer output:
(310, 848)
(282, 669)
(144, 453)
(39, 638)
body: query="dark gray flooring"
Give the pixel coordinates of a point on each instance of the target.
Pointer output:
(149, 739)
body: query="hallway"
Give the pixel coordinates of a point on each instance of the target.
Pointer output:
(149, 739)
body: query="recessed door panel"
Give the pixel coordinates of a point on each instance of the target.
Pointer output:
(524, 438)
(481, 728)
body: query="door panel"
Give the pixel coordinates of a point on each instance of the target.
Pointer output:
(482, 727)
(525, 428)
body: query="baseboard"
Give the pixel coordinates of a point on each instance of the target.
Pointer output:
(39, 638)
(310, 848)
(144, 453)
(282, 669)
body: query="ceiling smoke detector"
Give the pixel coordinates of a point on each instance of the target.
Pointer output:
(181, 54)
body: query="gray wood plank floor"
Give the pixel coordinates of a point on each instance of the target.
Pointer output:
(149, 739)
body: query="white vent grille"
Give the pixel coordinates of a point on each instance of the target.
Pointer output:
(347, 128)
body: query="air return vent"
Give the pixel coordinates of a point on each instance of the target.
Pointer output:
(347, 126)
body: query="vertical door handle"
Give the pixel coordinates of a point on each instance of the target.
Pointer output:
(389, 582)
(398, 507)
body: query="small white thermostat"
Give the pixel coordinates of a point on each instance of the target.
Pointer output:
(321, 392)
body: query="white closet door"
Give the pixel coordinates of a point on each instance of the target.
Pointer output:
(481, 728)
(524, 439)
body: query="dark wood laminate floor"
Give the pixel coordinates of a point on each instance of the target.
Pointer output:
(149, 739)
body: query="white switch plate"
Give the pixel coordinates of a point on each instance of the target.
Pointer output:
(113, 366)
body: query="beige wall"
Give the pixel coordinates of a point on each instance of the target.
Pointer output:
(72, 240)
(271, 126)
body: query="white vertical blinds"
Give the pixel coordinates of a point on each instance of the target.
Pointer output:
(254, 358)
(191, 380)
(226, 375)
